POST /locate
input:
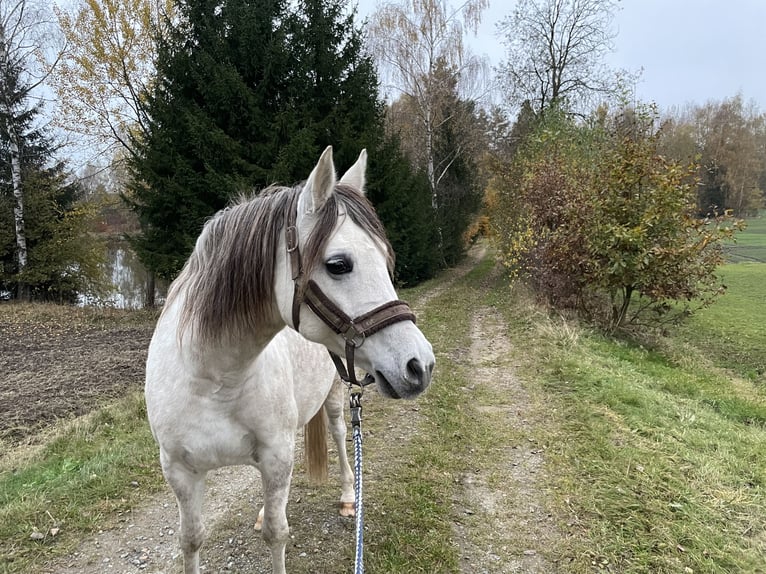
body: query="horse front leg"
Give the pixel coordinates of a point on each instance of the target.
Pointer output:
(189, 488)
(334, 408)
(276, 465)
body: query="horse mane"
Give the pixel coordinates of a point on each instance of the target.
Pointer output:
(228, 281)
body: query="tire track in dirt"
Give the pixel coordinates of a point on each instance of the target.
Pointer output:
(501, 523)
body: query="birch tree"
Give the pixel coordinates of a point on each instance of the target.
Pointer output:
(421, 54)
(19, 51)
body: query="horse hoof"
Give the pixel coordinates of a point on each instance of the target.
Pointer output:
(347, 509)
(259, 524)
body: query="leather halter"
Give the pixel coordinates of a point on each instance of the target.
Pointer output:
(353, 330)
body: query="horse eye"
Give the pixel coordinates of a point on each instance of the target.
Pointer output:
(339, 265)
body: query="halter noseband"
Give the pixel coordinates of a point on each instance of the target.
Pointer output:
(355, 330)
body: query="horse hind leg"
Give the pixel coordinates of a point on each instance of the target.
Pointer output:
(333, 406)
(189, 488)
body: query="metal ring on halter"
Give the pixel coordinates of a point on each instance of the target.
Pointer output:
(351, 340)
(368, 379)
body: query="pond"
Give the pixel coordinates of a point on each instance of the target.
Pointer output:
(128, 281)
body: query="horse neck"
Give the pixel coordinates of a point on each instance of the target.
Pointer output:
(231, 352)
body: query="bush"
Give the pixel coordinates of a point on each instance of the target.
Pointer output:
(597, 220)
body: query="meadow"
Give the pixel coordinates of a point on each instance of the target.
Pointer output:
(750, 245)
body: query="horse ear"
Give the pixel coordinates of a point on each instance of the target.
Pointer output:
(355, 176)
(321, 183)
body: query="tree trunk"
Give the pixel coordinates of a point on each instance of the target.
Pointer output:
(431, 170)
(16, 181)
(619, 313)
(149, 301)
(18, 214)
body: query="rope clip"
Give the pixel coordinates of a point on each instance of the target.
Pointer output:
(355, 402)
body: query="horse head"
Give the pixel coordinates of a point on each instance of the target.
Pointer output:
(339, 290)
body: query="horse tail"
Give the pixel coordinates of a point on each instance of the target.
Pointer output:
(315, 447)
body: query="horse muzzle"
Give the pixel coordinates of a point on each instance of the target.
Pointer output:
(416, 380)
(399, 376)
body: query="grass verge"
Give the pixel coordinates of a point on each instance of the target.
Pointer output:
(80, 479)
(655, 458)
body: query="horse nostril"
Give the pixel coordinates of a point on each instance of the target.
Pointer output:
(415, 368)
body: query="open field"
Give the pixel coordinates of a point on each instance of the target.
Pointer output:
(732, 332)
(541, 447)
(49, 355)
(750, 245)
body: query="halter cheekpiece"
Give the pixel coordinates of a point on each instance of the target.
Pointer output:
(353, 330)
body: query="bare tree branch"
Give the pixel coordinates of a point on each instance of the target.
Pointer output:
(555, 52)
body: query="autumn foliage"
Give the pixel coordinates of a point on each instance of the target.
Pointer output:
(596, 219)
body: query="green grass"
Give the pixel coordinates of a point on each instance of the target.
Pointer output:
(656, 456)
(750, 244)
(732, 332)
(75, 483)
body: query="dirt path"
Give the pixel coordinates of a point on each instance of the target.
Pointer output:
(144, 540)
(489, 524)
(503, 530)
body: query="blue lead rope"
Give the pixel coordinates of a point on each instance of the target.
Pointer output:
(356, 425)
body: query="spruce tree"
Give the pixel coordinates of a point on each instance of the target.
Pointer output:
(249, 93)
(333, 91)
(220, 84)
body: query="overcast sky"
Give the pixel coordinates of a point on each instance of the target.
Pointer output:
(690, 50)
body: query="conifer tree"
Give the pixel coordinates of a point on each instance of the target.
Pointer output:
(248, 94)
(333, 90)
(218, 88)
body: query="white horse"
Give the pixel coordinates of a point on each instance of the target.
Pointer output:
(227, 383)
